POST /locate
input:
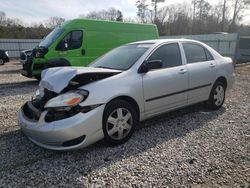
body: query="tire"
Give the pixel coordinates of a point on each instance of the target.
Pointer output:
(119, 122)
(2, 62)
(217, 96)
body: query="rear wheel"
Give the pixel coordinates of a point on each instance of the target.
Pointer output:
(1, 62)
(119, 121)
(217, 96)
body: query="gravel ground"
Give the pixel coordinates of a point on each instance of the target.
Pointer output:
(187, 148)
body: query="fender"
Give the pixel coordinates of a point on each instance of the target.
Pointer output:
(58, 62)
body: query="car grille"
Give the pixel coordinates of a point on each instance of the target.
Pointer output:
(33, 109)
(27, 65)
(26, 60)
(22, 56)
(39, 103)
(29, 113)
(39, 66)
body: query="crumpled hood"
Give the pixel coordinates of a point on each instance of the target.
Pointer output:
(56, 79)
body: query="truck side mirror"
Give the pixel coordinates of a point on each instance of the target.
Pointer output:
(62, 46)
(66, 45)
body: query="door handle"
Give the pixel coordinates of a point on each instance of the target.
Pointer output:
(182, 71)
(83, 52)
(212, 65)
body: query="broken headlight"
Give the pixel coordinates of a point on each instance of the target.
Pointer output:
(39, 93)
(69, 99)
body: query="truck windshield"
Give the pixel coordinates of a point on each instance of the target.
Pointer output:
(51, 37)
(121, 58)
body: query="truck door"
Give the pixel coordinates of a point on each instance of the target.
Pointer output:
(71, 47)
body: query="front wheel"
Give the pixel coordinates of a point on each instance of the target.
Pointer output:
(1, 62)
(119, 121)
(217, 96)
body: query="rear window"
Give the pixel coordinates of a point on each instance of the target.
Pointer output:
(196, 53)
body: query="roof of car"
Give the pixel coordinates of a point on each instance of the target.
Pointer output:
(164, 40)
(160, 41)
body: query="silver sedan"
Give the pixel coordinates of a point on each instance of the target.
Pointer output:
(75, 107)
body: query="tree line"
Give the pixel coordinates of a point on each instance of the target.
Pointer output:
(195, 17)
(15, 28)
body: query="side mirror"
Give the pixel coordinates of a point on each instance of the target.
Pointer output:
(66, 45)
(62, 46)
(149, 65)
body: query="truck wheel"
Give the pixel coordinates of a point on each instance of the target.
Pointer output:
(2, 62)
(119, 121)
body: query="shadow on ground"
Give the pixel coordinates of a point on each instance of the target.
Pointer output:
(18, 88)
(18, 152)
(17, 71)
(19, 84)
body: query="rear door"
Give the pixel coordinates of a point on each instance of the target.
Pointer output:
(202, 71)
(71, 47)
(165, 88)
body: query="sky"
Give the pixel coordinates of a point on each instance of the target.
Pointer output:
(33, 11)
(40, 10)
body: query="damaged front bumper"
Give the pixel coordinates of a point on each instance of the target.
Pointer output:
(77, 131)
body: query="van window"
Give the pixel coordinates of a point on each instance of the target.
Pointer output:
(72, 40)
(50, 38)
(169, 54)
(194, 53)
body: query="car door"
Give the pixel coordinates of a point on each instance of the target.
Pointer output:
(165, 88)
(202, 71)
(71, 47)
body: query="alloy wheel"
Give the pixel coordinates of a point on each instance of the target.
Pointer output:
(119, 123)
(219, 95)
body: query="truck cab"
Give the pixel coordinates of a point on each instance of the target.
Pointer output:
(79, 42)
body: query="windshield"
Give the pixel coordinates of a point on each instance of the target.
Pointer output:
(51, 37)
(121, 58)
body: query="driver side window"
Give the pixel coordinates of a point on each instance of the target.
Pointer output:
(169, 54)
(73, 40)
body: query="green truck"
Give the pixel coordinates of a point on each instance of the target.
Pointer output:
(78, 42)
